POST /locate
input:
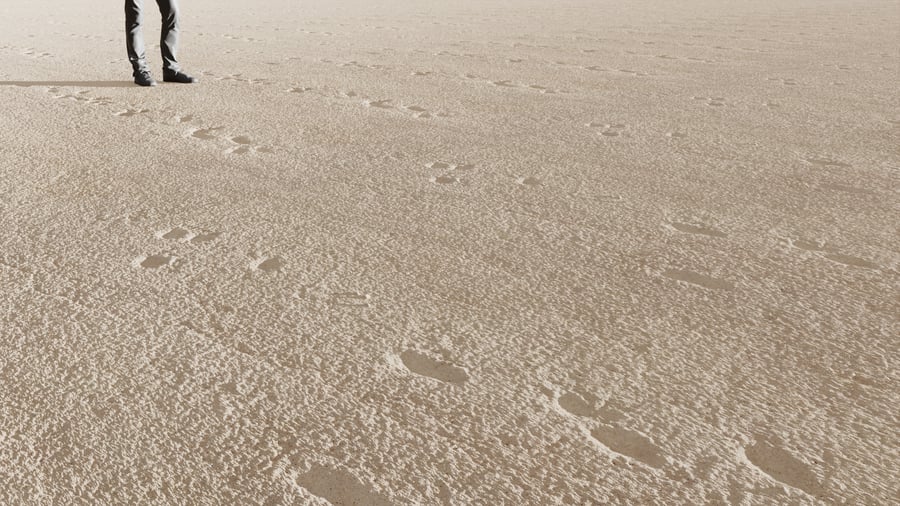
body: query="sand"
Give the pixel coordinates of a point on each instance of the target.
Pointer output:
(452, 252)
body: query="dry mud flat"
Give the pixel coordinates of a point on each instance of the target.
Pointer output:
(492, 252)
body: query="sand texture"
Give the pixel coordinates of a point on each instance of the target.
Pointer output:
(452, 252)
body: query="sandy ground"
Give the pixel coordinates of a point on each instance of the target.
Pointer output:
(459, 252)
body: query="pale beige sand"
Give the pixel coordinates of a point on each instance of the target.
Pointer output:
(452, 252)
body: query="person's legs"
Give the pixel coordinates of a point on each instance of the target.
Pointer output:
(168, 40)
(134, 38)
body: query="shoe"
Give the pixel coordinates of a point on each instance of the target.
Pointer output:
(178, 77)
(144, 78)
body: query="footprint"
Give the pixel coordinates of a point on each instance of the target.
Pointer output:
(424, 365)
(676, 135)
(862, 380)
(505, 84)
(244, 144)
(271, 264)
(826, 162)
(698, 279)
(155, 261)
(445, 179)
(851, 261)
(439, 166)
(629, 443)
(421, 112)
(609, 129)
(848, 189)
(543, 89)
(807, 245)
(693, 229)
(205, 237)
(352, 299)
(206, 134)
(575, 404)
(131, 112)
(339, 487)
(176, 234)
(783, 467)
(299, 90)
(786, 82)
(380, 104)
(712, 101)
(529, 181)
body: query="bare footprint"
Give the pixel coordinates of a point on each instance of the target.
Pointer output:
(575, 404)
(808, 245)
(694, 229)
(205, 237)
(629, 443)
(783, 467)
(826, 162)
(350, 299)
(528, 181)
(270, 264)
(851, 261)
(206, 134)
(244, 144)
(380, 104)
(701, 280)
(131, 112)
(155, 261)
(426, 366)
(176, 234)
(339, 487)
(445, 179)
(847, 189)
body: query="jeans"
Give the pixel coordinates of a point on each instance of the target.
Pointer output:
(168, 40)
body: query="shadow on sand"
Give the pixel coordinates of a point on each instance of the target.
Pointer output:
(80, 84)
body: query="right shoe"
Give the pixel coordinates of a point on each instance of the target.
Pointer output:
(144, 78)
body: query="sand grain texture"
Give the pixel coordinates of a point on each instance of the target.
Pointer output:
(452, 252)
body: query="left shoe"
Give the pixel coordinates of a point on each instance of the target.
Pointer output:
(178, 77)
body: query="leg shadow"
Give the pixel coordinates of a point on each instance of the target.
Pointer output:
(79, 84)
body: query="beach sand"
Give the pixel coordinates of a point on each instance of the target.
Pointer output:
(452, 252)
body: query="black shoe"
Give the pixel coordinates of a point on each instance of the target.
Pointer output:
(144, 78)
(178, 77)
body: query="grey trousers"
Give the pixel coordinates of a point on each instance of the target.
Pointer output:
(168, 40)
